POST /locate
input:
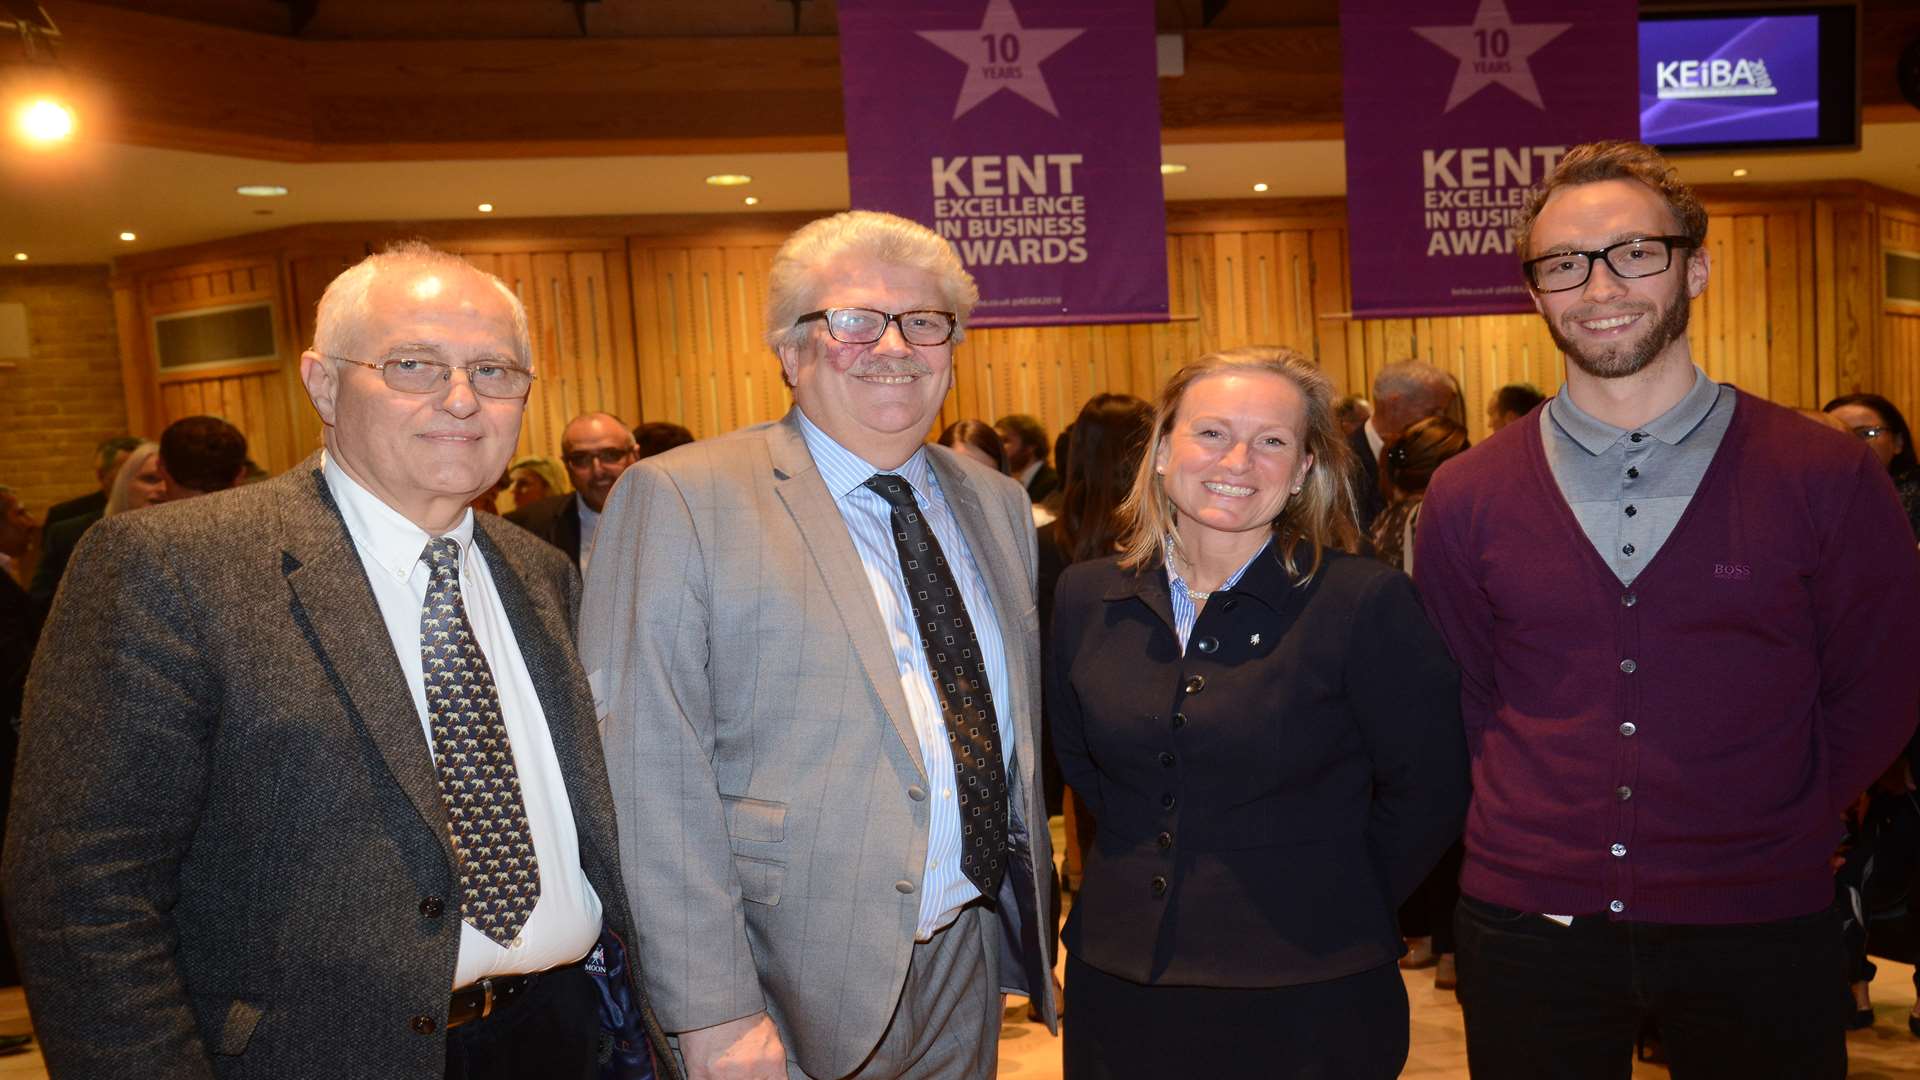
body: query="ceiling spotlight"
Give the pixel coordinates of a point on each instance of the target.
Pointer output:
(1739, 172)
(729, 179)
(485, 208)
(45, 120)
(751, 200)
(128, 237)
(1168, 168)
(260, 191)
(19, 256)
(1261, 186)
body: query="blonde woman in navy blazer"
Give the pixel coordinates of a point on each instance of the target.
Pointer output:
(1267, 730)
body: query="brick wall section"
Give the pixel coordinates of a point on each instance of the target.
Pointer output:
(58, 403)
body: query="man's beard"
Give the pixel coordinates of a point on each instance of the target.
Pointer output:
(1626, 358)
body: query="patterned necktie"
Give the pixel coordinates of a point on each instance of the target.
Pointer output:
(499, 877)
(959, 672)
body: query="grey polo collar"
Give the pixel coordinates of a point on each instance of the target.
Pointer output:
(1671, 427)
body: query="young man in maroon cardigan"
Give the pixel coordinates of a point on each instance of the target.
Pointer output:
(1685, 620)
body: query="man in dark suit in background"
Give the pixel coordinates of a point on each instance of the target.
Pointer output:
(1404, 392)
(207, 454)
(107, 459)
(1026, 443)
(596, 448)
(311, 784)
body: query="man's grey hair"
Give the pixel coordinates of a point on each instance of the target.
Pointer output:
(343, 307)
(794, 283)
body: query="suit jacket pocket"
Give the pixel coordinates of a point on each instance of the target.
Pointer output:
(755, 819)
(760, 879)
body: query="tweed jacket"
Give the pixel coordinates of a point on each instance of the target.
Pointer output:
(773, 805)
(1267, 799)
(227, 828)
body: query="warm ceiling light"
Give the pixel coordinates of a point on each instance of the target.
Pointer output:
(1739, 172)
(1260, 186)
(729, 179)
(1168, 168)
(45, 120)
(485, 208)
(129, 237)
(19, 256)
(751, 200)
(260, 191)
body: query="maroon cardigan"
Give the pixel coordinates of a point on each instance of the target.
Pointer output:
(1683, 746)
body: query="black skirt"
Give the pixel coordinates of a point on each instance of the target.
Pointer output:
(1352, 1028)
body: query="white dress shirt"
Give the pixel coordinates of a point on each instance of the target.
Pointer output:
(944, 889)
(566, 921)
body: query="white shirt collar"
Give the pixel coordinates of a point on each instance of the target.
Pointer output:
(1374, 441)
(1027, 474)
(384, 533)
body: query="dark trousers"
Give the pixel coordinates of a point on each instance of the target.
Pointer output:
(1352, 1028)
(1749, 1001)
(1429, 911)
(552, 1033)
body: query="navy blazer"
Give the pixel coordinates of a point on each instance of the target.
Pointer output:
(1266, 801)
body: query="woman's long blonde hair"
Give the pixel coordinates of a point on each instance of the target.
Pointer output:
(1321, 516)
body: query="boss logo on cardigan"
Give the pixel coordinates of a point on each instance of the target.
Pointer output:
(1733, 571)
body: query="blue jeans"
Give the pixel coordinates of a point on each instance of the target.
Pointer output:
(1753, 1000)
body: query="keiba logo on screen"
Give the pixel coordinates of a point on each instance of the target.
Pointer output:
(1713, 79)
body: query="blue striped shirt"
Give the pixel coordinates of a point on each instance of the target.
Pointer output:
(944, 890)
(1185, 611)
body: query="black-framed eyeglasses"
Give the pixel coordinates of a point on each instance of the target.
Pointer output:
(864, 326)
(1643, 256)
(422, 375)
(585, 459)
(1868, 433)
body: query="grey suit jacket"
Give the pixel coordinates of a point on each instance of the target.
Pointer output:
(227, 824)
(773, 806)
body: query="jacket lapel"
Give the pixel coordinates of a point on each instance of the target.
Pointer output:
(805, 495)
(997, 555)
(333, 599)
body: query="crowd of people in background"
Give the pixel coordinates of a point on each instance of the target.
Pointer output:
(1594, 771)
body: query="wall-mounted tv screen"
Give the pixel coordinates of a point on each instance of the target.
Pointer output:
(1784, 77)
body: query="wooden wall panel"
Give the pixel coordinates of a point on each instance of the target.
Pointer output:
(1900, 343)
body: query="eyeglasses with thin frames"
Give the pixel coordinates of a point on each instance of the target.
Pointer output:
(421, 375)
(864, 326)
(585, 459)
(1871, 433)
(1642, 256)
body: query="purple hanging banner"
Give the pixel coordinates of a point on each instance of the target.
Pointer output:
(1027, 132)
(1454, 109)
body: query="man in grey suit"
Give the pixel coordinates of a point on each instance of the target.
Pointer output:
(843, 855)
(310, 782)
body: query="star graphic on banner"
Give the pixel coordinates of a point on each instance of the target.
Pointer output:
(1493, 49)
(1002, 55)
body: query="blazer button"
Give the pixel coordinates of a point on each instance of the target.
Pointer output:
(917, 793)
(1165, 839)
(1168, 800)
(422, 1024)
(903, 887)
(1159, 885)
(1179, 720)
(1166, 760)
(1229, 605)
(432, 907)
(1195, 684)
(1207, 644)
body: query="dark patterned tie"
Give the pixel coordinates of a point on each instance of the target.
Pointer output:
(960, 678)
(499, 877)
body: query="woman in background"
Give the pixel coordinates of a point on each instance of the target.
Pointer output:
(976, 440)
(533, 479)
(1875, 420)
(1268, 731)
(139, 482)
(1406, 464)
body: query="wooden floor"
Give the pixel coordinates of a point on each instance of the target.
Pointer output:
(1027, 1052)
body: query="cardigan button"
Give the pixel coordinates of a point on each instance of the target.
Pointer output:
(1207, 644)
(1628, 728)
(1619, 851)
(1165, 840)
(1159, 885)
(1179, 720)
(1195, 684)
(1629, 666)
(1616, 906)
(1166, 760)
(1623, 793)
(1168, 800)
(1629, 599)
